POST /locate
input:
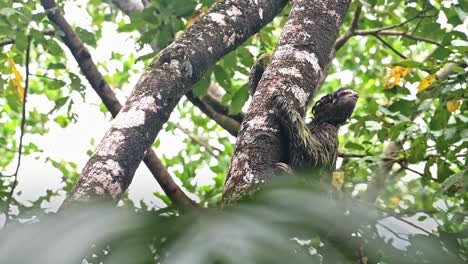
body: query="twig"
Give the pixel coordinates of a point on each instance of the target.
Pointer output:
(211, 100)
(225, 121)
(419, 15)
(358, 155)
(389, 46)
(20, 145)
(393, 232)
(408, 168)
(413, 212)
(350, 32)
(210, 149)
(394, 33)
(44, 76)
(406, 221)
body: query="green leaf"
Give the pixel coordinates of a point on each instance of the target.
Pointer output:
(38, 37)
(21, 41)
(239, 99)
(54, 48)
(7, 11)
(405, 107)
(440, 119)
(455, 179)
(76, 82)
(410, 64)
(56, 66)
(59, 103)
(55, 84)
(418, 148)
(200, 89)
(62, 121)
(354, 146)
(163, 197)
(146, 57)
(221, 77)
(86, 36)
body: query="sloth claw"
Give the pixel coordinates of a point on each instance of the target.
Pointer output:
(284, 167)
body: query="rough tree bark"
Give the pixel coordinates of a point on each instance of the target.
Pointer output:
(102, 88)
(208, 105)
(295, 71)
(171, 75)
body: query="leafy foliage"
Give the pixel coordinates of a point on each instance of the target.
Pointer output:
(412, 87)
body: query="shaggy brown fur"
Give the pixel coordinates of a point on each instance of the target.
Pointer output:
(313, 145)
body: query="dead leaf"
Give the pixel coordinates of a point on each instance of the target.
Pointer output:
(395, 75)
(453, 105)
(194, 18)
(395, 200)
(338, 179)
(18, 79)
(426, 82)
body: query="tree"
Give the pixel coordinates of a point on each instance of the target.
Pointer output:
(402, 155)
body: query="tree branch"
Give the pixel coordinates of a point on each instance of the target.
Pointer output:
(209, 105)
(200, 141)
(221, 108)
(231, 125)
(171, 75)
(339, 43)
(111, 102)
(390, 46)
(350, 32)
(375, 32)
(294, 72)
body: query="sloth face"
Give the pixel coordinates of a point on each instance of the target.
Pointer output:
(335, 108)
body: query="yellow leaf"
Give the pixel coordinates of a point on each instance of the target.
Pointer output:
(198, 14)
(426, 82)
(453, 105)
(338, 179)
(395, 200)
(18, 78)
(395, 75)
(256, 36)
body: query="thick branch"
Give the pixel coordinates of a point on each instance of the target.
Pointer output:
(339, 43)
(106, 94)
(295, 71)
(209, 105)
(171, 75)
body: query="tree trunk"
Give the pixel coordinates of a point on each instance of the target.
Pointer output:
(295, 72)
(171, 75)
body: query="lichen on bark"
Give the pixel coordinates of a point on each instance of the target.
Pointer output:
(171, 75)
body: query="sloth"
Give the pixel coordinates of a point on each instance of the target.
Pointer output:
(312, 145)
